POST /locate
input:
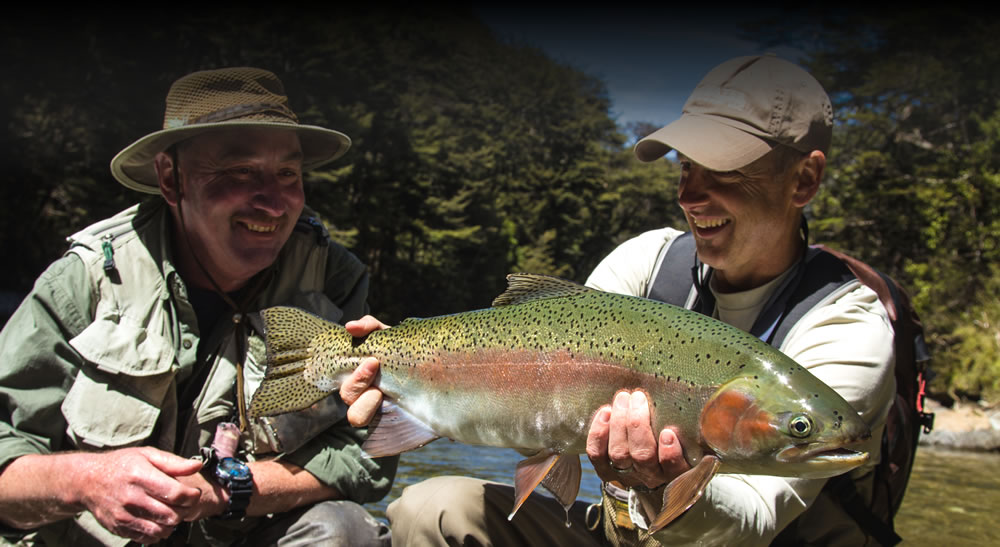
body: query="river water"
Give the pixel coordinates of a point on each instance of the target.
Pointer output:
(952, 497)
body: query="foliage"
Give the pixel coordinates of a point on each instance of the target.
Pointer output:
(471, 157)
(974, 355)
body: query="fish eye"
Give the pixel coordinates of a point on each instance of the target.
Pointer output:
(800, 425)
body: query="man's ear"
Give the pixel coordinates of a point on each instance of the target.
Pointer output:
(167, 179)
(809, 175)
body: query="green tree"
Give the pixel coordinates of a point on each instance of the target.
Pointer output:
(471, 157)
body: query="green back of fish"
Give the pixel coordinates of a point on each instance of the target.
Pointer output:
(645, 335)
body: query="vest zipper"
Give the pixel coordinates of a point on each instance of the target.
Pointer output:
(109, 252)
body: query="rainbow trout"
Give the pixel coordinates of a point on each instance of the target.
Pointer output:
(530, 373)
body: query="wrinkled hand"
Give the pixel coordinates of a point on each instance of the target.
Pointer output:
(621, 437)
(362, 399)
(134, 492)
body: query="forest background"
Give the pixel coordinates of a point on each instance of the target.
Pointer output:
(475, 156)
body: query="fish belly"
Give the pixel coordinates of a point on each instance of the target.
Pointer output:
(521, 400)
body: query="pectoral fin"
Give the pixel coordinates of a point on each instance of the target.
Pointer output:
(394, 431)
(559, 474)
(684, 490)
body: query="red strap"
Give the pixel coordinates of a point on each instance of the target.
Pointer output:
(922, 384)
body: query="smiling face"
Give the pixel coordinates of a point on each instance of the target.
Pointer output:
(239, 197)
(746, 222)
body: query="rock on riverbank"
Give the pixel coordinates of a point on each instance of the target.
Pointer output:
(963, 426)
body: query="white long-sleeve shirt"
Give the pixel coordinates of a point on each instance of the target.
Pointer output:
(845, 341)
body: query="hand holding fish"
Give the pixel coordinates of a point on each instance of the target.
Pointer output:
(621, 438)
(364, 400)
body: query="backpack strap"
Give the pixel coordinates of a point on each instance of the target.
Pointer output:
(820, 275)
(911, 347)
(676, 273)
(871, 277)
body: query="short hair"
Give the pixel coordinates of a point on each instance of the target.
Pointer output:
(779, 161)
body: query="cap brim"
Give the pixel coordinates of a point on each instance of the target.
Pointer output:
(133, 166)
(705, 141)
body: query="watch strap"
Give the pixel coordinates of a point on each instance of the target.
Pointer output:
(239, 499)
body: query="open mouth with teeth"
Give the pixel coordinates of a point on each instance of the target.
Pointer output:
(259, 228)
(708, 223)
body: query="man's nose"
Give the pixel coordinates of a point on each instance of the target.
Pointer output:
(692, 191)
(268, 196)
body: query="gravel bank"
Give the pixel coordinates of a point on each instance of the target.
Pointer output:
(964, 426)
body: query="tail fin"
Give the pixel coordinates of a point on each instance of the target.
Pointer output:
(290, 382)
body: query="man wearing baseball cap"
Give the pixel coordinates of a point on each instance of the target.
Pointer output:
(127, 369)
(752, 143)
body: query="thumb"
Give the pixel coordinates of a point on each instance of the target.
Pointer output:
(671, 454)
(172, 464)
(365, 325)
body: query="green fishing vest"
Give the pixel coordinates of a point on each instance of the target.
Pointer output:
(126, 394)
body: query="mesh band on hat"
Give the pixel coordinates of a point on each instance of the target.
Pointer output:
(224, 98)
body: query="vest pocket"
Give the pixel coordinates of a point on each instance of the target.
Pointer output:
(116, 397)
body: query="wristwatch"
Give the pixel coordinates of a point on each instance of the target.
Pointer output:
(235, 476)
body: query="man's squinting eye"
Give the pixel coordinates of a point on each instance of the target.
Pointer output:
(241, 171)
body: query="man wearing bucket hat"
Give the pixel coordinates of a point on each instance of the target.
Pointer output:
(127, 369)
(751, 142)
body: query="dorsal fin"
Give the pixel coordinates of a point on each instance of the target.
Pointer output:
(525, 287)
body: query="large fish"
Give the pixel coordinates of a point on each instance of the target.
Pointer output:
(531, 372)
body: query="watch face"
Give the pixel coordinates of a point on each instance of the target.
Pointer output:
(234, 469)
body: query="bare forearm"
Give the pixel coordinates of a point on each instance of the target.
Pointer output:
(39, 489)
(281, 486)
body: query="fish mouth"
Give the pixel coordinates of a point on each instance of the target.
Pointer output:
(823, 455)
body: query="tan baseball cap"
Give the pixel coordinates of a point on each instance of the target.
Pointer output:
(741, 109)
(208, 100)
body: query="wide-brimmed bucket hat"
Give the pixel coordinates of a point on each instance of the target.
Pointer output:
(219, 99)
(742, 109)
